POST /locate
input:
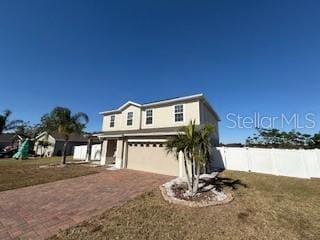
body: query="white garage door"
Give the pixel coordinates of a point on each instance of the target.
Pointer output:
(152, 157)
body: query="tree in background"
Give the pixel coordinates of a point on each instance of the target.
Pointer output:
(28, 130)
(274, 138)
(61, 120)
(195, 146)
(6, 124)
(315, 141)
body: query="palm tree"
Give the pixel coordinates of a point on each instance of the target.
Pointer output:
(195, 145)
(61, 120)
(5, 124)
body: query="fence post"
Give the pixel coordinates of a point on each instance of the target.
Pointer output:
(249, 163)
(304, 163)
(225, 156)
(317, 162)
(274, 162)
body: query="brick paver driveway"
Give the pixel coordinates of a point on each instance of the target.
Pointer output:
(38, 212)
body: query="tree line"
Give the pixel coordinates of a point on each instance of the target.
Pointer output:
(274, 138)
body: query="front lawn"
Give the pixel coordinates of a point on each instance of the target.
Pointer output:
(268, 207)
(23, 173)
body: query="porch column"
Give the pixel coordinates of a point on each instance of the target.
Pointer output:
(125, 154)
(103, 157)
(119, 153)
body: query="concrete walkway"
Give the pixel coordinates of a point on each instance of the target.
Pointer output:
(39, 211)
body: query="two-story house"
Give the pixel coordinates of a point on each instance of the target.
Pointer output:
(134, 135)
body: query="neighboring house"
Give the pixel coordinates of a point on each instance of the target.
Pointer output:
(134, 135)
(10, 139)
(56, 141)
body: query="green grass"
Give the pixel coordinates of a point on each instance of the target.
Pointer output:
(268, 207)
(22, 173)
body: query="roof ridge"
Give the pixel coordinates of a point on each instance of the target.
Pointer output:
(154, 102)
(173, 98)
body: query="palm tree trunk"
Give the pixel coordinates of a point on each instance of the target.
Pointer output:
(185, 157)
(192, 173)
(187, 174)
(196, 184)
(64, 153)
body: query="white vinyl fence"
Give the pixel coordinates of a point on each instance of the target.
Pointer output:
(283, 162)
(80, 152)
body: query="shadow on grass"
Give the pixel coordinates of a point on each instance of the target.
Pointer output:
(219, 183)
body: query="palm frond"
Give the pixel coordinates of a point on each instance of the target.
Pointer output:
(81, 117)
(61, 120)
(6, 113)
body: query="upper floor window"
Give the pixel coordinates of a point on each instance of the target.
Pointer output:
(129, 118)
(178, 113)
(112, 118)
(149, 117)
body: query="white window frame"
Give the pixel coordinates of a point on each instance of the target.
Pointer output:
(183, 113)
(152, 119)
(112, 121)
(131, 119)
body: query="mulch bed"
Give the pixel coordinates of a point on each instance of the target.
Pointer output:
(179, 191)
(174, 192)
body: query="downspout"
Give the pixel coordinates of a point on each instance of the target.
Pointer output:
(140, 122)
(200, 111)
(122, 160)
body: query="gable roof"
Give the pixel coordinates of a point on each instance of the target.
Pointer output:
(8, 137)
(122, 107)
(164, 101)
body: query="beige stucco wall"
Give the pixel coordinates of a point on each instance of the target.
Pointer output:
(163, 116)
(206, 116)
(152, 159)
(121, 120)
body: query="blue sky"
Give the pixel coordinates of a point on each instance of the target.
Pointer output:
(245, 56)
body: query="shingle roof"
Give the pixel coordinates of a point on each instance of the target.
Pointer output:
(73, 137)
(161, 100)
(169, 130)
(6, 137)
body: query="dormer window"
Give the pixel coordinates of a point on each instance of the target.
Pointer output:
(129, 118)
(112, 118)
(149, 117)
(178, 113)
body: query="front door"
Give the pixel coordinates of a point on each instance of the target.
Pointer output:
(111, 150)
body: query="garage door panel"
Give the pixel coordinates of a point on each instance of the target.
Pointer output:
(152, 159)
